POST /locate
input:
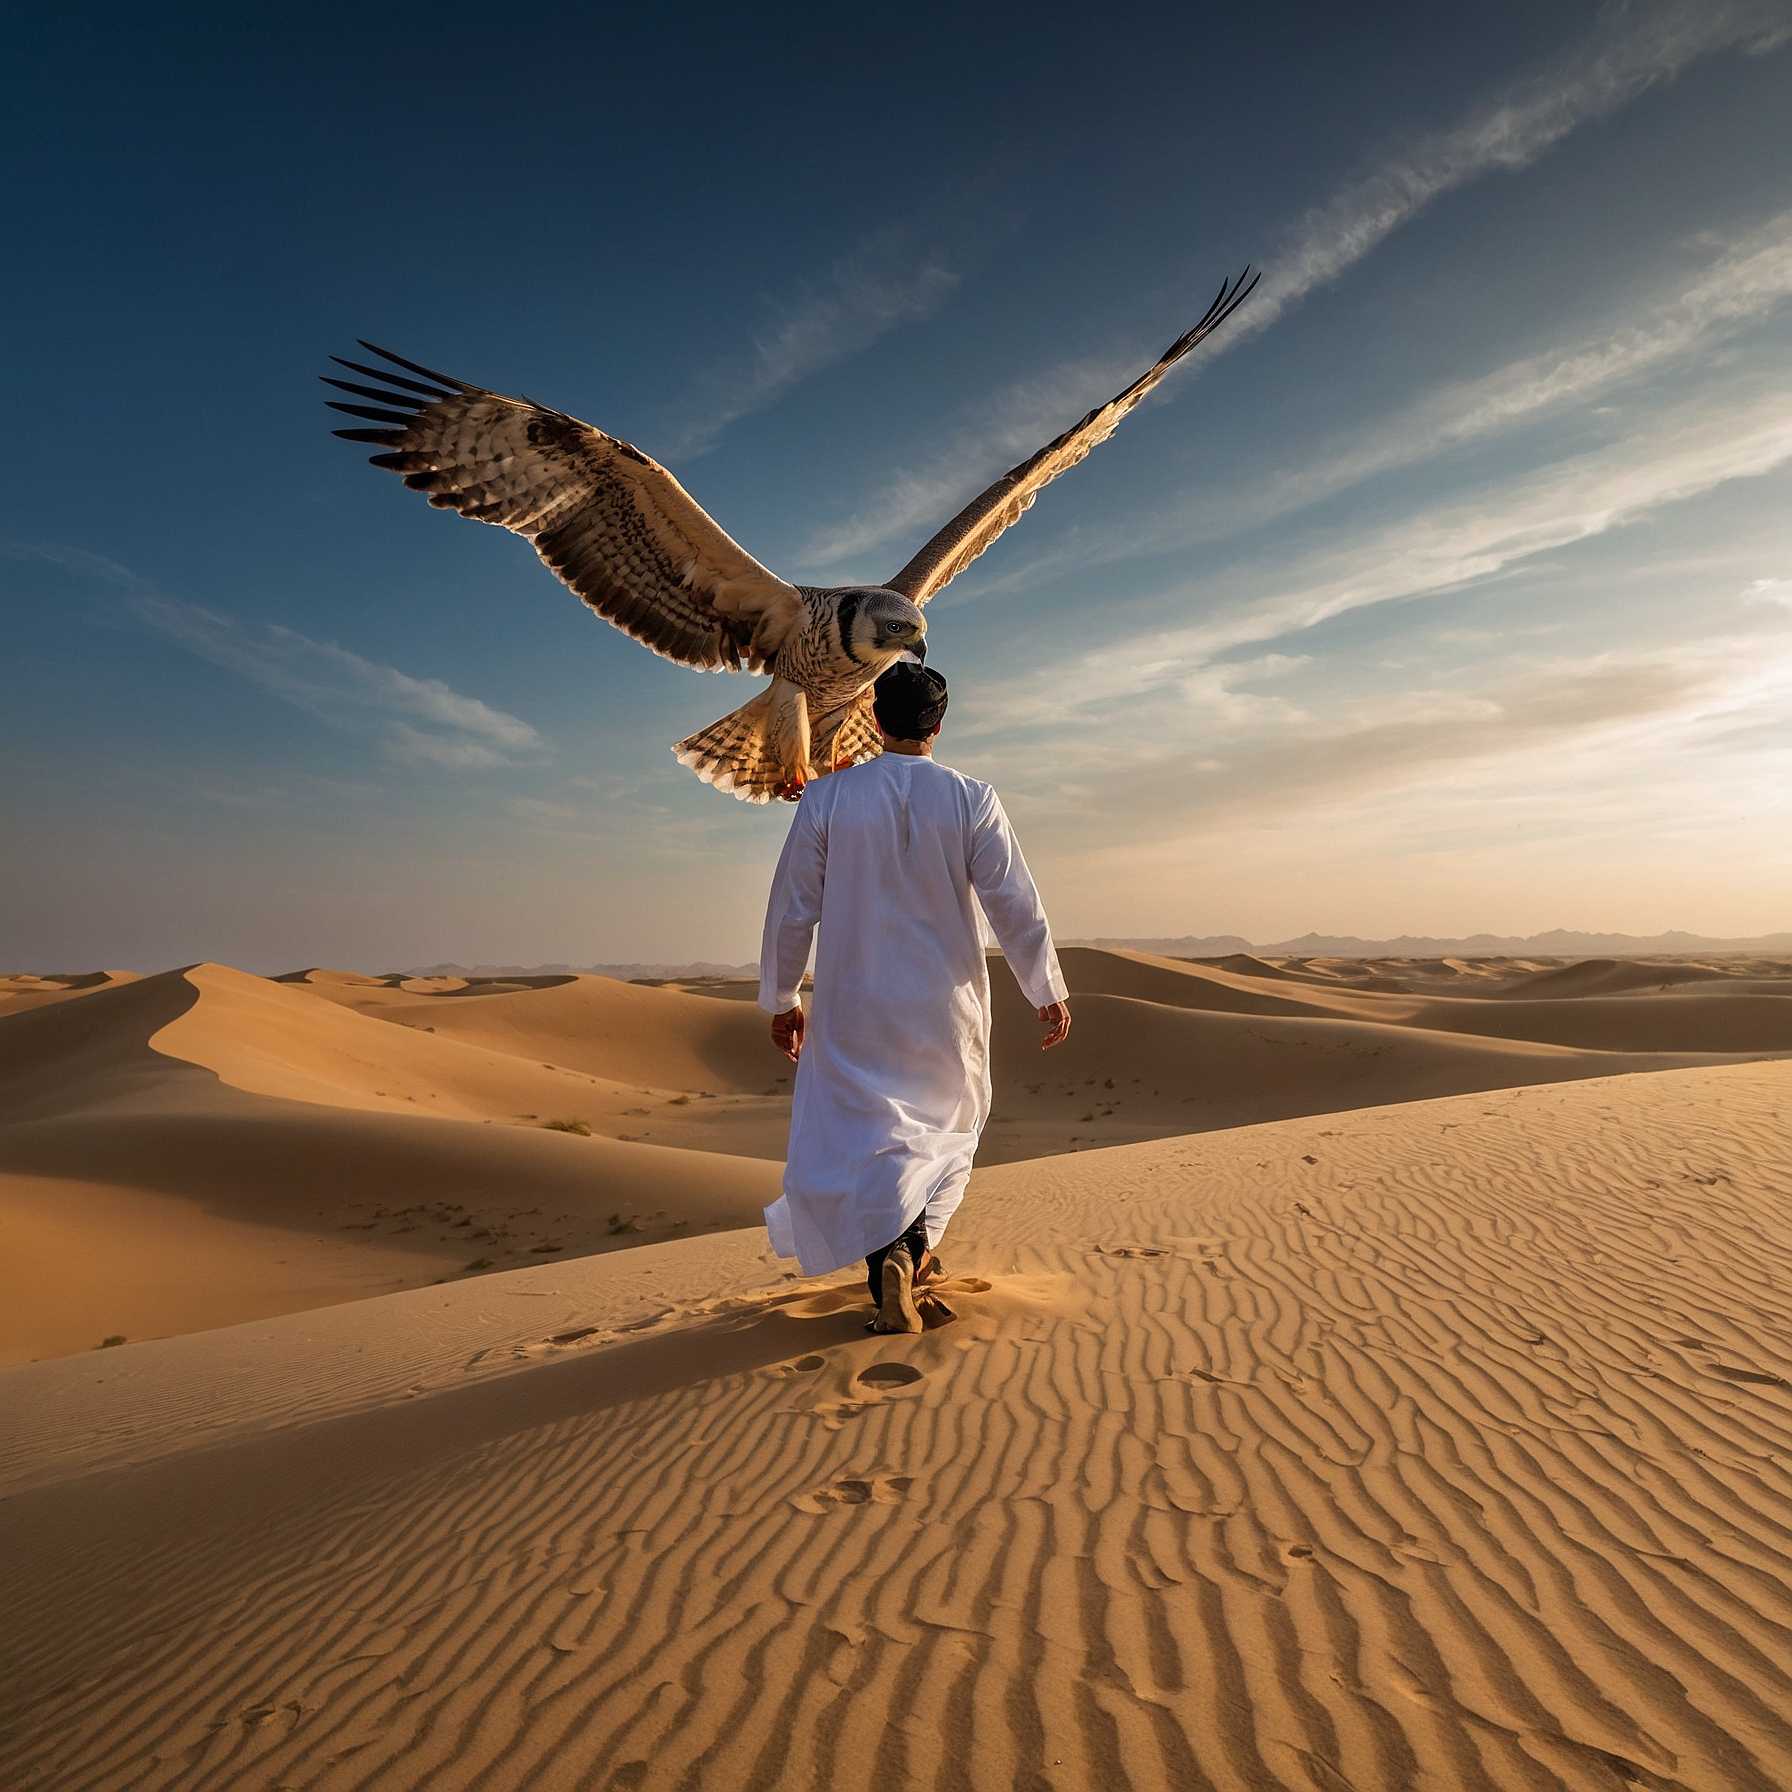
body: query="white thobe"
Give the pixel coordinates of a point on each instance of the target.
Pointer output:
(890, 860)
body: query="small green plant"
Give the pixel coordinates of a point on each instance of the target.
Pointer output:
(478, 1263)
(112, 1342)
(577, 1126)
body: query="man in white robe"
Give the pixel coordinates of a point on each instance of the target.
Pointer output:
(891, 860)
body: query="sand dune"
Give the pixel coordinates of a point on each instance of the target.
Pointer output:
(1134, 1068)
(203, 1146)
(17, 993)
(623, 1032)
(1703, 1014)
(1445, 1446)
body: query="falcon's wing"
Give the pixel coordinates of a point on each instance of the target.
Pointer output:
(614, 525)
(985, 517)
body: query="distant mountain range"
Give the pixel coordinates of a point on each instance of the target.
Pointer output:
(1558, 943)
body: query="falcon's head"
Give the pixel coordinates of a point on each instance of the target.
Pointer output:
(879, 625)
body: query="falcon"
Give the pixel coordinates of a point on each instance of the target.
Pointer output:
(639, 550)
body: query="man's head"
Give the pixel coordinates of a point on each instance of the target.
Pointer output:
(909, 701)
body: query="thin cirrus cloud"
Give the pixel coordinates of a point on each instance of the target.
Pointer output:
(1630, 50)
(1743, 285)
(882, 284)
(1579, 754)
(419, 722)
(1662, 705)
(1685, 453)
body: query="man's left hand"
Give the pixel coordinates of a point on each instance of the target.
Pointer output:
(1057, 1024)
(787, 1032)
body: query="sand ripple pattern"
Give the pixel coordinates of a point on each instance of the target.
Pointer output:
(1446, 1447)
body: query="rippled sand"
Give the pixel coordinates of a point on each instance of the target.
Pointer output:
(1445, 1444)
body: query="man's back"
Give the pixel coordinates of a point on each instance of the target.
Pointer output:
(890, 861)
(897, 912)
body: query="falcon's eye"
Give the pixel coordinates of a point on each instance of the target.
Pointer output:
(894, 628)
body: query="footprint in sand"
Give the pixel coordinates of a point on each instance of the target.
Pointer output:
(804, 1365)
(878, 1490)
(1129, 1250)
(890, 1375)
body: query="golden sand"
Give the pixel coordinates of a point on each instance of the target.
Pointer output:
(1409, 1406)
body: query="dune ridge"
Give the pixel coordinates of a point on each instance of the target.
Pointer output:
(203, 1147)
(1446, 1444)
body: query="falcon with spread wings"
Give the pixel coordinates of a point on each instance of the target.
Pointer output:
(634, 544)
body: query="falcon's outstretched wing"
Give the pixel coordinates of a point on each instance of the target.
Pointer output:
(614, 525)
(985, 517)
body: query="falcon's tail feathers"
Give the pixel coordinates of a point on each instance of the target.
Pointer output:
(757, 752)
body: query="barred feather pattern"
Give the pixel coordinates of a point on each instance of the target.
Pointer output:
(618, 529)
(816, 716)
(609, 522)
(844, 737)
(833, 655)
(758, 751)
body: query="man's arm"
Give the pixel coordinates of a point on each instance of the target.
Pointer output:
(791, 914)
(1010, 899)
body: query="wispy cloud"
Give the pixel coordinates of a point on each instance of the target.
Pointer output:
(1745, 283)
(1550, 777)
(1632, 48)
(1659, 705)
(419, 721)
(877, 287)
(1685, 453)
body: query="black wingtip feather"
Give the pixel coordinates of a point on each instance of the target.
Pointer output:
(392, 379)
(387, 438)
(429, 373)
(403, 418)
(373, 392)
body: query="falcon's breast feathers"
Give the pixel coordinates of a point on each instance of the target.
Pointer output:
(611, 523)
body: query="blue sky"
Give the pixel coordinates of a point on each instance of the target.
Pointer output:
(1450, 589)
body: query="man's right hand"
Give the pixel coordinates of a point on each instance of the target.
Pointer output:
(787, 1032)
(1057, 1024)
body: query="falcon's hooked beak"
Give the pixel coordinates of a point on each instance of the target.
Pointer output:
(918, 647)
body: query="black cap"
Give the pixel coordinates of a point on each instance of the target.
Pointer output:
(909, 701)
